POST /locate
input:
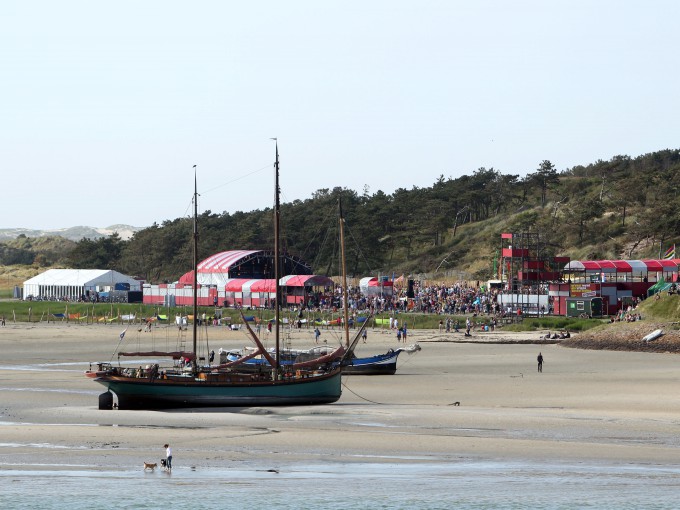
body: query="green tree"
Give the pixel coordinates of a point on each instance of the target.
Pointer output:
(545, 178)
(102, 253)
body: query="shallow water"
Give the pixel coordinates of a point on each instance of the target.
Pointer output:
(461, 485)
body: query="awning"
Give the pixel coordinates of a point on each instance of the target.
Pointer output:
(306, 281)
(236, 284)
(637, 266)
(621, 266)
(653, 265)
(669, 265)
(268, 285)
(590, 266)
(607, 266)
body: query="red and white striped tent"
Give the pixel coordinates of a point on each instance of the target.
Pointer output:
(249, 292)
(626, 269)
(297, 287)
(216, 269)
(373, 286)
(633, 267)
(256, 293)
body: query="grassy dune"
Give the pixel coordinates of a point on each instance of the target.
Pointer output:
(662, 313)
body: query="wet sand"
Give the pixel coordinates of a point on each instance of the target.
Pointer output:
(618, 407)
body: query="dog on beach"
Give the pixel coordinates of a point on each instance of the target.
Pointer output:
(150, 465)
(164, 463)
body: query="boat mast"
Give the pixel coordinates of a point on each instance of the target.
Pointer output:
(195, 263)
(277, 262)
(345, 299)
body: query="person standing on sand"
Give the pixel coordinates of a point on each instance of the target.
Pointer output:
(539, 358)
(168, 457)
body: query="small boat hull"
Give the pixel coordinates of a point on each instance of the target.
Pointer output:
(164, 394)
(653, 335)
(382, 364)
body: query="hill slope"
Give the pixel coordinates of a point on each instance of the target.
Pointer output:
(618, 209)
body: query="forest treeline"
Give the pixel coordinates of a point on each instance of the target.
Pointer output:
(622, 208)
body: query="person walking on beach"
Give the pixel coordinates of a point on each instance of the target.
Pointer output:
(168, 457)
(363, 335)
(539, 358)
(317, 334)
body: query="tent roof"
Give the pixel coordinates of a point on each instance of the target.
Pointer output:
(236, 284)
(80, 277)
(622, 266)
(372, 281)
(268, 285)
(608, 266)
(221, 262)
(304, 280)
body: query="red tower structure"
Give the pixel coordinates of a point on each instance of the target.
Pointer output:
(526, 270)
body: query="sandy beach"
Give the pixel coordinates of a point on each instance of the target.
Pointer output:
(620, 407)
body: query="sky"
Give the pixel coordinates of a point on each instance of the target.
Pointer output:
(105, 107)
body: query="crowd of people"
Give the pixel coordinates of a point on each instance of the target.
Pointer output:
(461, 298)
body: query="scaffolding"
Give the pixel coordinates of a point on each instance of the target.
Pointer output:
(526, 270)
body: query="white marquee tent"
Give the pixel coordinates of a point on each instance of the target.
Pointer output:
(74, 283)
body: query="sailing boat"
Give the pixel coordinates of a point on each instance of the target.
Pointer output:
(230, 384)
(379, 364)
(322, 354)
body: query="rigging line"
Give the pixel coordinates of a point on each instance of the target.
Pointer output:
(186, 211)
(323, 241)
(358, 247)
(362, 398)
(408, 360)
(387, 403)
(314, 238)
(266, 167)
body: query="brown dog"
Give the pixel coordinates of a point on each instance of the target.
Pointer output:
(150, 465)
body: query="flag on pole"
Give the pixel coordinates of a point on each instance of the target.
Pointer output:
(670, 253)
(122, 334)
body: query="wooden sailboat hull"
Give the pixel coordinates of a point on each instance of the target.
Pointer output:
(163, 394)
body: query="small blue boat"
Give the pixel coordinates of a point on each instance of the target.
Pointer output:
(380, 364)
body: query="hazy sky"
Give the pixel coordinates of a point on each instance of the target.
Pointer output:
(106, 106)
